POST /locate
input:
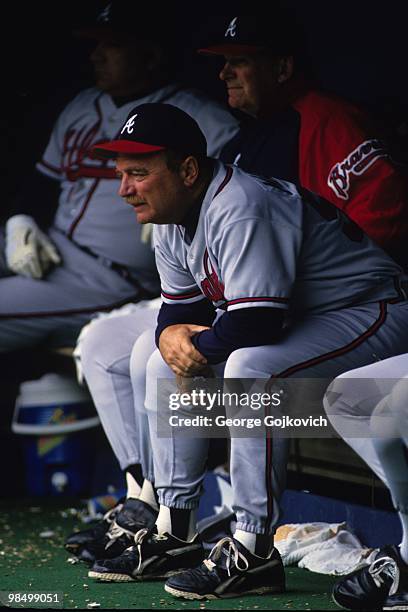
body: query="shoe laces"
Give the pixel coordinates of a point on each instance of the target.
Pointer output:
(115, 532)
(110, 515)
(226, 546)
(140, 537)
(385, 567)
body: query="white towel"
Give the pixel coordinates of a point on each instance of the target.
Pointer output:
(326, 548)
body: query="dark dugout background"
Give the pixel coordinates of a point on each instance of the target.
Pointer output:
(356, 49)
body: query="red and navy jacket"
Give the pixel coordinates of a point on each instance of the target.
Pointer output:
(328, 146)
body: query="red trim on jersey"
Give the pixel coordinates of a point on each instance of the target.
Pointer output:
(84, 207)
(401, 287)
(92, 189)
(258, 299)
(345, 349)
(75, 148)
(225, 181)
(50, 167)
(205, 262)
(268, 476)
(300, 366)
(182, 296)
(72, 311)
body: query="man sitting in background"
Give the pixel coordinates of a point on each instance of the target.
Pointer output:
(92, 257)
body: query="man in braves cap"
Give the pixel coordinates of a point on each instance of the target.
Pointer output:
(160, 154)
(246, 247)
(302, 134)
(260, 58)
(127, 63)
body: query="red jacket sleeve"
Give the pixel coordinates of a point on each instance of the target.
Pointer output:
(341, 159)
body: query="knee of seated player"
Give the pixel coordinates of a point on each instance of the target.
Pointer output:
(142, 350)
(341, 398)
(105, 343)
(331, 396)
(160, 382)
(399, 406)
(383, 423)
(253, 362)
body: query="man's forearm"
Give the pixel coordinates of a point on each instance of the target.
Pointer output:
(238, 329)
(198, 313)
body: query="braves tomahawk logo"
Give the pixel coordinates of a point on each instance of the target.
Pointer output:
(211, 286)
(232, 28)
(361, 158)
(105, 15)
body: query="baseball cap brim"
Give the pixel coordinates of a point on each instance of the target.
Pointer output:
(110, 150)
(228, 49)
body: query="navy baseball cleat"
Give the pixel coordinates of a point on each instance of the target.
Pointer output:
(152, 557)
(382, 585)
(133, 516)
(77, 540)
(230, 571)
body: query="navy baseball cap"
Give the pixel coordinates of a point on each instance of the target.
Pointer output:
(155, 127)
(245, 35)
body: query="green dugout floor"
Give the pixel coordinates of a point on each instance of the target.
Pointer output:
(29, 562)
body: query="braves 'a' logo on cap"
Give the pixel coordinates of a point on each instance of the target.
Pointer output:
(105, 15)
(232, 28)
(361, 158)
(129, 124)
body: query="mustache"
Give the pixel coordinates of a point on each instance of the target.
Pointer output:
(134, 200)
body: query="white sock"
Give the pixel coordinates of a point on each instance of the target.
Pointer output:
(246, 538)
(404, 543)
(133, 487)
(179, 522)
(147, 495)
(257, 544)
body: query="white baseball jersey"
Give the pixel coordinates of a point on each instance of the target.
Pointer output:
(90, 212)
(258, 243)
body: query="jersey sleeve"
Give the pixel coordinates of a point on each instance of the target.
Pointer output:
(177, 284)
(257, 261)
(341, 160)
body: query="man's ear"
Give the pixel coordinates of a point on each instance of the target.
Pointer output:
(189, 171)
(285, 68)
